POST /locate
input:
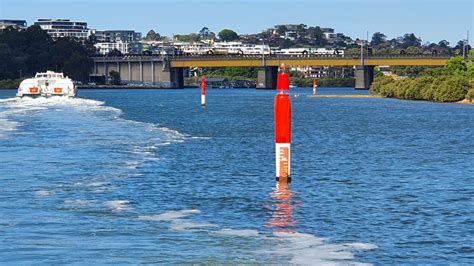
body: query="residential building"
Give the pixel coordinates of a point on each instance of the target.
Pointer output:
(58, 28)
(118, 35)
(126, 41)
(106, 47)
(14, 23)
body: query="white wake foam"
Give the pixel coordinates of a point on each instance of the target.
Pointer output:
(118, 205)
(11, 107)
(307, 249)
(242, 233)
(301, 248)
(168, 216)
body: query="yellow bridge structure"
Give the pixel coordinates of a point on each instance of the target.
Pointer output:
(167, 71)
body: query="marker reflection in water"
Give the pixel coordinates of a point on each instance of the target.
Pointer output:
(282, 219)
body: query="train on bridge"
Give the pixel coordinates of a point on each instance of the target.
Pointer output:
(231, 48)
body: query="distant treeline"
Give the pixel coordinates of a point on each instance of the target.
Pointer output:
(452, 83)
(23, 53)
(296, 78)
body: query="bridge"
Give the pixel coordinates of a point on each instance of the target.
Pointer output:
(168, 71)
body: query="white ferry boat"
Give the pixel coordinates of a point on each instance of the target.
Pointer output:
(47, 84)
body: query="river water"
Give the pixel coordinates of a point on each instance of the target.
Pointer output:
(148, 176)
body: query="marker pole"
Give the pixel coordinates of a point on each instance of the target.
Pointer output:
(203, 91)
(283, 128)
(315, 85)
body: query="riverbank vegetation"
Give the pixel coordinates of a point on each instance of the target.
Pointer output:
(454, 82)
(25, 52)
(324, 82)
(9, 83)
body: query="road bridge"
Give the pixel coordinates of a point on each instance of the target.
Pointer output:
(168, 71)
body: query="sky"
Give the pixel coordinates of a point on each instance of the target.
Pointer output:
(431, 20)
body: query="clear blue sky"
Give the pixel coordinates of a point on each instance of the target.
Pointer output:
(432, 20)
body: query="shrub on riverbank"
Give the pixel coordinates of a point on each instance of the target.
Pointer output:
(451, 84)
(470, 95)
(438, 89)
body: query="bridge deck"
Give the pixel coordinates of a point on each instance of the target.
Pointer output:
(276, 60)
(254, 61)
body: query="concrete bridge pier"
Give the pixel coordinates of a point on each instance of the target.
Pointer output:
(267, 77)
(176, 77)
(364, 76)
(155, 73)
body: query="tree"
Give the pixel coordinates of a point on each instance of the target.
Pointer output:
(281, 30)
(471, 56)
(409, 39)
(89, 44)
(456, 65)
(228, 35)
(192, 37)
(204, 33)
(114, 52)
(33, 50)
(301, 31)
(377, 39)
(316, 36)
(443, 44)
(152, 36)
(395, 42)
(78, 66)
(114, 77)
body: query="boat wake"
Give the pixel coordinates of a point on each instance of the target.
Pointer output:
(12, 108)
(291, 246)
(75, 141)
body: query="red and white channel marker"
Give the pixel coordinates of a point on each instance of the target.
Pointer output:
(283, 127)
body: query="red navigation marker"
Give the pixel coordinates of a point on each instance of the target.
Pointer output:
(315, 85)
(283, 127)
(203, 91)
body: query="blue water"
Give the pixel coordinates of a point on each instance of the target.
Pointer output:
(148, 176)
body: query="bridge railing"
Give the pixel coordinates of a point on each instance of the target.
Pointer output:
(268, 57)
(308, 56)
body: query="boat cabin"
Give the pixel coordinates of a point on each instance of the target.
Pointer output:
(49, 75)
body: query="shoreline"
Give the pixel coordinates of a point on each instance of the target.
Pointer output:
(344, 96)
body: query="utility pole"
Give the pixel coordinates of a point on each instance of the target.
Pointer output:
(367, 42)
(465, 44)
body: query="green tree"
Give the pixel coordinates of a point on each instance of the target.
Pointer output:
(78, 67)
(192, 37)
(471, 56)
(316, 35)
(377, 39)
(89, 44)
(33, 50)
(456, 65)
(114, 52)
(410, 39)
(152, 36)
(228, 35)
(204, 33)
(301, 30)
(281, 30)
(114, 77)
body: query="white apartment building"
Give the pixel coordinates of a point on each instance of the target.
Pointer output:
(59, 28)
(105, 47)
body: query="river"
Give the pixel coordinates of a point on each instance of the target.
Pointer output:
(149, 176)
